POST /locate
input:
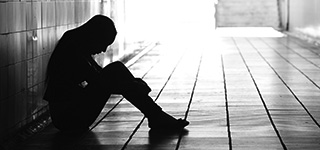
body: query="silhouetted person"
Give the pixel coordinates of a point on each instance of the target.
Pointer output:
(78, 88)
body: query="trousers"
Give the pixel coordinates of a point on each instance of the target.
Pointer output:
(115, 78)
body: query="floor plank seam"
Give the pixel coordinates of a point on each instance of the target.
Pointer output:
(193, 88)
(106, 114)
(261, 98)
(238, 92)
(299, 55)
(302, 46)
(226, 104)
(287, 86)
(190, 100)
(306, 76)
(133, 133)
(158, 95)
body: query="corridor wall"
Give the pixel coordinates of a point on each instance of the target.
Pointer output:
(29, 31)
(304, 18)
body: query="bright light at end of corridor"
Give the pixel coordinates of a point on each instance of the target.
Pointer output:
(168, 21)
(248, 32)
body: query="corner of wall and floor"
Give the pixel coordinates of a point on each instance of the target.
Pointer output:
(29, 31)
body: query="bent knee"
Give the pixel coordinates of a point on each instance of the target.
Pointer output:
(115, 67)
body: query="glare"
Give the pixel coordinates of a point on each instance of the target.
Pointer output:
(248, 32)
(184, 25)
(313, 31)
(167, 20)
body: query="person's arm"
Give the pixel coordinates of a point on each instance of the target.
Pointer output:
(91, 71)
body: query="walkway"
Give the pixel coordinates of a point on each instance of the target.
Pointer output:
(237, 93)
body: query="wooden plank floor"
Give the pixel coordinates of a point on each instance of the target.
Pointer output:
(237, 93)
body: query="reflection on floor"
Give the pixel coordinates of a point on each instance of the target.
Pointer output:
(238, 92)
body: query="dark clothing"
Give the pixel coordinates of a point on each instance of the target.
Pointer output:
(81, 109)
(71, 63)
(66, 73)
(77, 88)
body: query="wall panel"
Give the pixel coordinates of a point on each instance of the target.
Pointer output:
(3, 18)
(29, 31)
(304, 18)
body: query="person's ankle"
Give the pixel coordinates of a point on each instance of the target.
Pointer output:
(166, 121)
(171, 125)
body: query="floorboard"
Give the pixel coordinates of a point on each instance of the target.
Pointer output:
(237, 93)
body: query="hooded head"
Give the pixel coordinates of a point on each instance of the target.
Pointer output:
(90, 38)
(97, 33)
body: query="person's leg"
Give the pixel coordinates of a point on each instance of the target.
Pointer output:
(78, 112)
(119, 80)
(136, 91)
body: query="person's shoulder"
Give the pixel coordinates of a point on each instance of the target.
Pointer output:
(67, 39)
(66, 35)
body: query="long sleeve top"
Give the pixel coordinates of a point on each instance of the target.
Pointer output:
(69, 71)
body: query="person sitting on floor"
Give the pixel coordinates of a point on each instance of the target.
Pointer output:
(77, 88)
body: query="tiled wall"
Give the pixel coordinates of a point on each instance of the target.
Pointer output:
(304, 18)
(29, 30)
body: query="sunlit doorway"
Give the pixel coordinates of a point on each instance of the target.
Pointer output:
(169, 21)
